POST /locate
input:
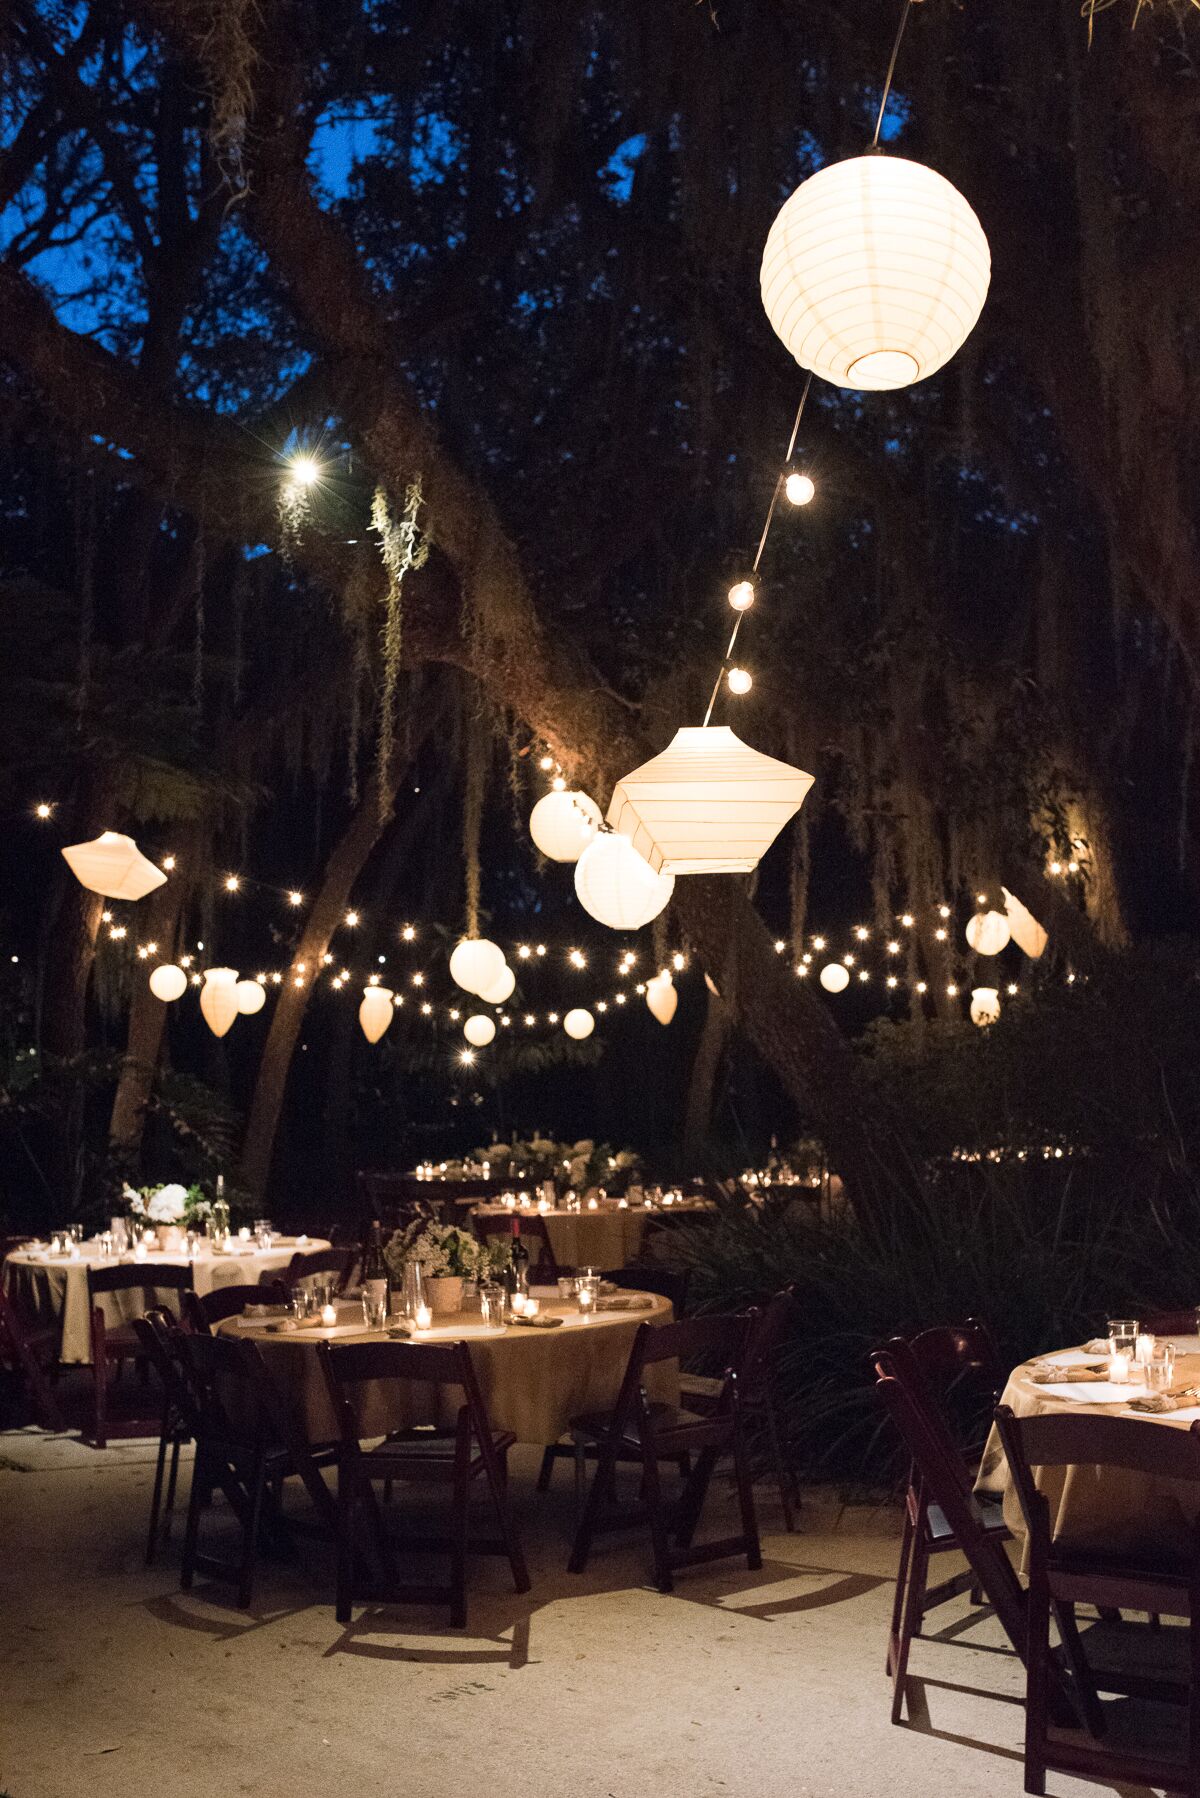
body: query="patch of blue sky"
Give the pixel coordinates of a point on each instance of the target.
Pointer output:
(342, 138)
(435, 149)
(618, 172)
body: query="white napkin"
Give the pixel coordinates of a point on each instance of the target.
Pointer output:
(1073, 1357)
(1092, 1392)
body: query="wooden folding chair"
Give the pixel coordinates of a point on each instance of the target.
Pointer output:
(650, 1432)
(306, 1264)
(153, 1332)
(28, 1348)
(473, 1451)
(1172, 1323)
(771, 1328)
(114, 1344)
(202, 1310)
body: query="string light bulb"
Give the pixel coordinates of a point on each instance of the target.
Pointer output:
(168, 862)
(408, 934)
(305, 471)
(352, 918)
(741, 595)
(232, 883)
(43, 810)
(799, 489)
(295, 898)
(738, 681)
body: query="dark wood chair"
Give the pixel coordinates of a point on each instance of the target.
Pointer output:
(668, 1282)
(114, 1344)
(202, 1310)
(1062, 1575)
(650, 1432)
(474, 1451)
(153, 1332)
(307, 1264)
(29, 1349)
(1172, 1323)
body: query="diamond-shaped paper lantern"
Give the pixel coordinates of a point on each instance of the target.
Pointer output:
(114, 866)
(709, 804)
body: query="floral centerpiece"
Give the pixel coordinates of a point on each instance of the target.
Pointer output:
(168, 1210)
(590, 1164)
(446, 1254)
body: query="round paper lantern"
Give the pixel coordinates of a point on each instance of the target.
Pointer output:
(875, 272)
(985, 1005)
(479, 1031)
(218, 999)
(579, 1023)
(563, 824)
(114, 866)
(168, 982)
(988, 932)
(251, 997)
(502, 989)
(476, 964)
(834, 977)
(376, 1011)
(662, 998)
(617, 886)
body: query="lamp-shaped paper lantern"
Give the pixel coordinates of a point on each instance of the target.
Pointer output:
(168, 982)
(502, 989)
(875, 272)
(988, 932)
(113, 865)
(218, 999)
(1027, 933)
(476, 964)
(985, 1005)
(479, 1031)
(616, 885)
(251, 997)
(834, 977)
(375, 1012)
(579, 1023)
(563, 824)
(709, 804)
(661, 997)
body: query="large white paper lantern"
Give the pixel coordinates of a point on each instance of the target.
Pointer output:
(834, 977)
(218, 999)
(1027, 933)
(563, 824)
(479, 1031)
(168, 982)
(251, 997)
(114, 866)
(875, 272)
(502, 988)
(617, 886)
(988, 932)
(579, 1023)
(376, 1011)
(709, 804)
(985, 1005)
(476, 964)
(661, 998)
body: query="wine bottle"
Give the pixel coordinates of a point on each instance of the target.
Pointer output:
(374, 1264)
(520, 1261)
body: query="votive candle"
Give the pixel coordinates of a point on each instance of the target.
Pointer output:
(328, 1316)
(1144, 1348)
(424, 1317)
(1118, 1367)
(519, 1304)
(532, 1307)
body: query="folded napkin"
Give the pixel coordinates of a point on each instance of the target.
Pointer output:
(1158, 1402)
(1046, 1373)
(1099, 1345)
(632, 1303)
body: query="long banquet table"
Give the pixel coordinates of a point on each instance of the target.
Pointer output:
(607, 1238)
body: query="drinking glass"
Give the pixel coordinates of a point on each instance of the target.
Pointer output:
(566, 1287)
(588, 1290)
(1160, 1367)
(491, 1304)
(76, 1232)
(300, 1303)
(321, 1293)
(1123, 1329)
(374, 1306)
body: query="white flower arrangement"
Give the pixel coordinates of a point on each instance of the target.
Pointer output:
(159, 1205)
(443, 1251)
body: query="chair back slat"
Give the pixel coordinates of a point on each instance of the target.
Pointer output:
(202, 1310)
(1057, 1439)
(668, 1282)
(947, 1352)
(350, 1365)
(307, 1264)
(691, 1337)
(141, 1276)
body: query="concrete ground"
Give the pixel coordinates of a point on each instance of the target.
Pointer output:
(770, 1685)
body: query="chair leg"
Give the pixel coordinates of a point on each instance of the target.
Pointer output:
(495, 1471)
(545, 1470)
(1194, 1696)
(198, 1497)
(782, 1477)
(1081, 1674)
(745, 1488)
(172, 1480)
(651, 1486)
(586, 1528)
(344, 1598)
(691, 1504)
(156, 1497)
(1037, 1692)
(458, 1548)
(249, 1561)
(902, 1573)
(910, 1626)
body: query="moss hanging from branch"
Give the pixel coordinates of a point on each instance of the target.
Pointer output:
(478, 745)
(402, 547)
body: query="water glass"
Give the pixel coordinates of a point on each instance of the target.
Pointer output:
(321, 1293)
(588, 1291)
(1160, 1367)
(76, 1232)
(374, 1306)
(301, 1304)
(1123, 1329)
(566, 1287)
(491, 1304)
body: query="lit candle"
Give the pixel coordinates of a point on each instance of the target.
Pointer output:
(509, 1201)
(622, 1204)
(139, 1251)
(244, 1233)
(424, 1317)
(593, 1203)
(587, 1301)
(519, 1304)
(543, 1206)
(328, 1316)
(1145, 1348)
(532, 1307)
(1118, 1367)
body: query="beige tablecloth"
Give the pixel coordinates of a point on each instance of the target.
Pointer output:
(605, 1239)
(1104, 1507)
(533, 1381)
(55, 1288)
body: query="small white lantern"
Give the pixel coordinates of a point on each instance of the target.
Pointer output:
(479, 1031)
(661, 998)
(579, 1023)
(476, 964)
(875, 272)
(985, 1005)
(616, 885)
(251, 997)
(1027, 933)
(218, 999)
(988, 932)
(376, 1011)
(563, 824)
(114, 866)
(168, 982)
(502, 988)
(709, 804)
(835, 978)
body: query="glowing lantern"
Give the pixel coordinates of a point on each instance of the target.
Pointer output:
(479, 1031)
(617, 886)
(251, 997)
(875, 272)
(985, 1005)
(835, 978)
(168, 982)
(1027, 933)
(709, 804)
(114, 866)
(375, 1012)
(662, 998)
(563, 824)
(579, 1023)
(476, 964)
(502, 988)
(988, 932)
(218, 999)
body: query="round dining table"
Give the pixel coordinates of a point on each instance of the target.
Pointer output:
(54, 1287)
(607, 1238)
(1100, 1507)
(533, 1380)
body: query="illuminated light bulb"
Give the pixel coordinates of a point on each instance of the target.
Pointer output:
(802, 971)
(261, 978)
(558, 784)
(168, 862)
(799, 489)
(1056, 867)
(893, 948)
(454, 1014)
(861, 932)
(327, 959)
(295, 898)
(352, 918)
(922, 986)
(299, 980)
(106, 917)
(907, 920)
(981, 898)
(849, 960)
(185, 961)
(678, 963)
(1013, 989)
(467, 1057)
(524, 952)
(232, 883)
(196, 980)
(541, 948)
(940, 934)
(426, 1009)
(397, 1000)
(943, 911)
(118, 932)
(577, 958)
(151, 948)
(372, 980)
(302, 967)
(407, 934)
(780, 946)
(952, 990)
(1072, 867)
(892, 981)
(738, 681)
(546, 763)
(304, 470)
(818, 943)
(43, 810)
(602, 1005)
(277, 980)
(863, 975)
(418, 979)
(806, 959)
(621, 997)
(552, 1017)
(741, 595)
(530, 1020)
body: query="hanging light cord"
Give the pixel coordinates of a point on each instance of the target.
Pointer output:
(780, 478)
(891, 70)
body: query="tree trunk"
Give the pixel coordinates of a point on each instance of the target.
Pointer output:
(147, 1016)
(706, 1065)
